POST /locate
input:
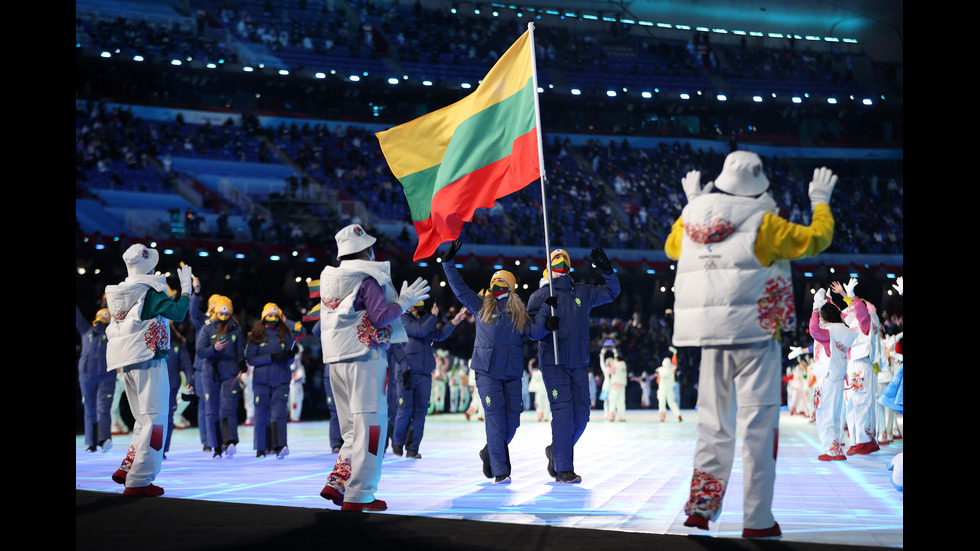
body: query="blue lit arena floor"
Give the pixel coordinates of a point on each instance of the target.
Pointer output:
(635, 478)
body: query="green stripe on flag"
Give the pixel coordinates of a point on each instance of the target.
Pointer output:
(482, 139)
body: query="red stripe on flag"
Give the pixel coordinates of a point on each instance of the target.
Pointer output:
(455, 204)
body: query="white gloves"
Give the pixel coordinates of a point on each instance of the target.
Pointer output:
(899, 286)
(822, 186)
(185, 277)
(413, 294)
(692, 185)
(849, 288)
(819, 299)
(795, 352)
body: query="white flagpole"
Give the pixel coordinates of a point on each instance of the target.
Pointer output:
(544, 206)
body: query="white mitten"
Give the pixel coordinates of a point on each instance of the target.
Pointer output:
(899, 285)
(186, 278)
(849, 288)
(413, 294)
(692, 185)
(819, 299)
(822, 186)
(795, 352)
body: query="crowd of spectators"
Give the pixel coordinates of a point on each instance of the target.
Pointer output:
(606, 192)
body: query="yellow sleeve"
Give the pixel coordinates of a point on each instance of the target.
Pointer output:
(780, 239)
(673, 245)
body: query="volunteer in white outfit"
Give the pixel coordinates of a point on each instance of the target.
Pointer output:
(139, 340)
(666, 379)
(863, 361)
(359, 318)
(733, 295)
(297, 380)
(619, 376)
(831, 339)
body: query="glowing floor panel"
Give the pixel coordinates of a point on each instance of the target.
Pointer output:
(635, 478)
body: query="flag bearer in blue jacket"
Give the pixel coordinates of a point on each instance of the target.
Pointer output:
(567, 376)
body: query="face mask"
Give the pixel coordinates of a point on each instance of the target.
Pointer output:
(499, 291)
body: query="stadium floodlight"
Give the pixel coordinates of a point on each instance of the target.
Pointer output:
(137, 58)
(320, 75)
(685, 95)
(797, 99)
(832, 101)
(426, 83)
(646, 95)
(211, 65)
(284, 72)
(392, 80)
(247, 69)
(576, 92)
(176, 62)
(465, 85)
(355, 78)
(722, 97)
(757, 99)
(866, 101)
(611, 93)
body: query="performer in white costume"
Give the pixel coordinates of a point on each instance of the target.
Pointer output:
(733, 296)
(359, 318)
(666, 379)
(536, 386)
(139, 340)
(619, 376)
(831, 339)
(863, 361)
(298, 379)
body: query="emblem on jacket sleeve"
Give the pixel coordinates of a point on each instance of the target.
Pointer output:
(331, 303)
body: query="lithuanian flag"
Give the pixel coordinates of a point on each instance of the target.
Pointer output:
(465, 156)
(314, 313)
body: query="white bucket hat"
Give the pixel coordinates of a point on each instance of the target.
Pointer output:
(742, 175)
(140, 260)
(353, 239)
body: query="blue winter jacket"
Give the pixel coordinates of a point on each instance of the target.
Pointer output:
(575, 302)
(226, 361)
(498, 349)
(422, 331)
(265, 369)
(91, 361)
